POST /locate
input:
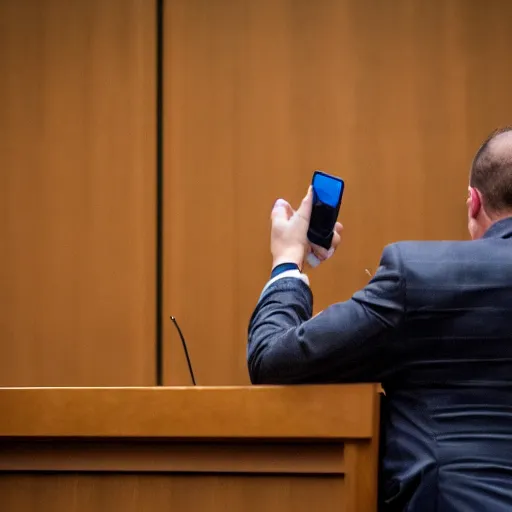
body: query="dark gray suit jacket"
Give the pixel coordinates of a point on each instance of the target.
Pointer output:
(434, 326)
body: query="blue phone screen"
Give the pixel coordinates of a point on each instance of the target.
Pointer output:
(327, 189)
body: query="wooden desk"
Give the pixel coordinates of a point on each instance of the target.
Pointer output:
(301, 448)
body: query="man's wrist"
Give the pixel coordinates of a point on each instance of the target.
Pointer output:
(293, 258)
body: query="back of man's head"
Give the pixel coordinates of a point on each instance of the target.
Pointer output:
(491, 172)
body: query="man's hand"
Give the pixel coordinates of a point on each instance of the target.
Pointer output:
(288, 241)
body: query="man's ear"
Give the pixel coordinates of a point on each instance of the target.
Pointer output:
(474, 202)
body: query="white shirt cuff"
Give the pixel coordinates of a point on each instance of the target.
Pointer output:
(289, 273)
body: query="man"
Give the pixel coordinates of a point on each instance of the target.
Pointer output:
(433, 326)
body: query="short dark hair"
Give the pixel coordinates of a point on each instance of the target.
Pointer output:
(491, 174)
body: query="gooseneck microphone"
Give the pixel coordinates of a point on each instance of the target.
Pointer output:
(185, 349)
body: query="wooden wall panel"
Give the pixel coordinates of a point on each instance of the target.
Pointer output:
(393, 96)
(77, 192)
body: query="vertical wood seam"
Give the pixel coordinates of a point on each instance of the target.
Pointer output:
(159, 194)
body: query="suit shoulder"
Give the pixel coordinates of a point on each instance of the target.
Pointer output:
(440, 255)
(426, 250)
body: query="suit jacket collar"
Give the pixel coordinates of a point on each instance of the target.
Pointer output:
(500, 229)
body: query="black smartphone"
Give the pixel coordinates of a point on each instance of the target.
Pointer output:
(327, 194)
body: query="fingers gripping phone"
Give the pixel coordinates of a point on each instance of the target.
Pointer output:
(327, 194)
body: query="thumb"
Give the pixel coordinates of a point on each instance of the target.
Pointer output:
(281, 210)
(306, 206)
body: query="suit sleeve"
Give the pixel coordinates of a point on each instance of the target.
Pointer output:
(347, 342)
